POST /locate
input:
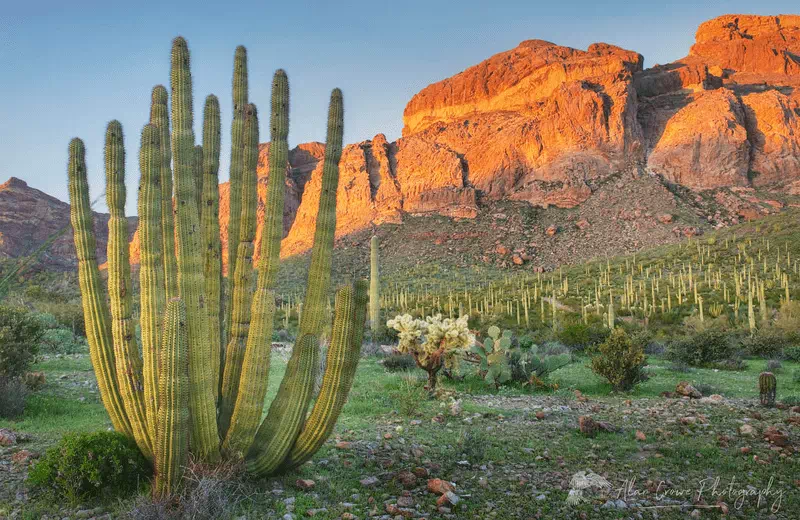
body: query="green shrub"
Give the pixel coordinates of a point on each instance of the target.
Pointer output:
(791, 400)
(20, 332)
(767, 342)
(792, 354)
(579, 336)
(91, 465)
(620, 360)
(399, 362)
(13, 396)
(710, 347)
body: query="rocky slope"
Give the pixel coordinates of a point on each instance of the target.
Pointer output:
(549, 125)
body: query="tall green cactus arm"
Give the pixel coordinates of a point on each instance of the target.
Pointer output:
(319, 274)
(198, 178)
(191, 281)
(172, 447)
(374, 286)
(95, 310)
(254, 377)
(277, 434)
(243, 276)
(340, 369)
(272, 232)
(126, 351)
(151, 267)
(237, 155)
(159, 117)
(209, 220)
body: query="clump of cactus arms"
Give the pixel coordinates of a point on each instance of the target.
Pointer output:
(501, 360)
(492, 356)
(767, 384)
(198, 386)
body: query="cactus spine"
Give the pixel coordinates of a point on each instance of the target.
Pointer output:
(374, 287)
(151, 267)
(129, 363)
(168, 402)
(767, 384)
(172, 447)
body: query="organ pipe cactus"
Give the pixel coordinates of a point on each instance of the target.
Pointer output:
(183, 394)
(767, 383)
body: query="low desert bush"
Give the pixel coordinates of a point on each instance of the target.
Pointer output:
(13, 396)
(710, 347)
(620, 360)
(774, 365)
(768, 342)
(399, 362)
(91, 465)
(20, 332)
(579, 336)
(792, 354)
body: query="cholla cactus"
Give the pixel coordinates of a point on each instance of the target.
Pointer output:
(434, 342)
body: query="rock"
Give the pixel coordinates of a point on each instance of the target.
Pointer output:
(582, 224)
(7, 437)
(304, 484)
(747, 430)
(685, 389)
(551, 230)
(502, 250)
(539, 415)
(587, 426)
(640, 436)
(343, 445)
(665, 218)
(369, 481)
(712, 399)
(405, 502)
(23, 457)
(407, 479)
(439, 487)
(517, 260)
(776, 437)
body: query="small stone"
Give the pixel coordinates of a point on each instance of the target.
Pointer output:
(540, 415)
(551, 230)
(439, 486)
(343, 445)
(405, 502)
(640, 436)
(747, 430)
(369, 481)
(685, 389)
(304, 484)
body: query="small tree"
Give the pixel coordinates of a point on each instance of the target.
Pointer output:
(620, 360)
(435, 343)
(20, 332)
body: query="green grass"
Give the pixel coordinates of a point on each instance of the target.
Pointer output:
(497, 437)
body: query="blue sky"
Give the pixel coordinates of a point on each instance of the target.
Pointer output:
(70, 67)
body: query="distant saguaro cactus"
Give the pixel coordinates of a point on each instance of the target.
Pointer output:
(374, 286)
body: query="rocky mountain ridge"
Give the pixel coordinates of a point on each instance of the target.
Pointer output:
(548, 125)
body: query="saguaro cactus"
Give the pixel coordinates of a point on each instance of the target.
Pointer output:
(168, 399)
(374, 286)
(767, 384)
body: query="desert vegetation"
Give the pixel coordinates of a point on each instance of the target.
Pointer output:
(660, 384)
